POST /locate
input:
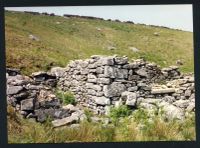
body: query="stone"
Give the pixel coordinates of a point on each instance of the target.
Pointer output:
(140, 84)
(58, 71)
(21, 96)
(182, 103)
(40, 116)
(162, 91)
(11, 90)
(121, 60)
(171, 112)
(107, 110)
(92, 80)
(94, 87)
(151, 101)
(42, 76)
(133, 77)
(33, 37)
(54, 103)
(65, 121)
(27, 105)
(12, 71)
(129, 97)
(18, 82)
(99, 70)
(91, 76)
(133, 89)
(34, 87)
(179, 62)
(169, 99)
(83, 117)
(174, 67)
(114, 90)
(91, 92)
(113, 72)
(156, 34)
(134, 49)
(111, 48)
(119, 103)
(70, 108)
(190, 107)
(96, 119)
(84, 64)
(75, 126)
(142, 72)
(105, 61)
(188, 93)
(103, 80)
(133, 66)
(121, 73)
(191, 79)
(109, 72)
(147, 106)
(102, 100)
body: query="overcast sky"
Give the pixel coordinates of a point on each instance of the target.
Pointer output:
(173, 16)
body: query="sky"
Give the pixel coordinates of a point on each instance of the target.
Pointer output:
(172, 16)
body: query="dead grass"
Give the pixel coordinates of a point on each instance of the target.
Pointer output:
(128, 129)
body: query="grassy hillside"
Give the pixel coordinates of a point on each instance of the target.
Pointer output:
(63, 39)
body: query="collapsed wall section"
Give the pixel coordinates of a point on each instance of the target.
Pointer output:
(102, 81)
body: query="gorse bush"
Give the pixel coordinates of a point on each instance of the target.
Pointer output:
(66, 97)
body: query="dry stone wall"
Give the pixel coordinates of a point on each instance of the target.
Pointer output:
(104, 81)
(97, 84)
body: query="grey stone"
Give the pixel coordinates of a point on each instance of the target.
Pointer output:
(188, 93)
(75, 126)
(96, 119)
(109, 72)
(70, 108)
(105, 61)
(190, 107)
(171, 112)
(169, 99)
(21, 96)
(113, 72)
(151, 101)
(133, 77)
(129, 97)
(11, 90)
(182, 103)
(132, 89)
(27, 104)
(113, 90)
(99, 70)
(33, 37)
(134, 49)
(102, 100)
(92, 86)
(142, 72)
(147, 106)
(65, 121)
(12, 71)
(121, 60)
(162, 91)
(58, 71)
(103, 80)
